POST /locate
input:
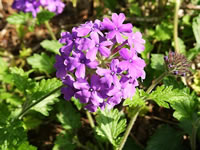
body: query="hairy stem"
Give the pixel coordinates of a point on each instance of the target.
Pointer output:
(50, 30)
(91, 121)
(130, 125)
(176, 43)
(27, 108)
(137, 110)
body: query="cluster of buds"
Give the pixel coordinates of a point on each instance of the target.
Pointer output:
(99, 62)
(177, 64)
(33, 6)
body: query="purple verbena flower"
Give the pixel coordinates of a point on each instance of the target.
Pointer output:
(99, 62)
(33, 6)
(116, 27)
(55, 6)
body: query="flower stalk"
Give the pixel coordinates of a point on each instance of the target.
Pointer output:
(50, 30)
(137, 111)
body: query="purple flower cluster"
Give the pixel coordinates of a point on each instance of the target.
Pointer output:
(33, 6)
(99, 62)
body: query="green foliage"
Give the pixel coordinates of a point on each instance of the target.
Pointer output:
(12, 134)
(157, 62)
(26, 146)
(111, 123)
(42, 62)
(19, 18)
(137, 100)
(148, 48)
(184, 109)
(135, 9)
(166, 138)
(164, 96)
(63, 142)
(196, 29)
(111, 4)
(44, 15)
(20, 79)
(51, 45)
(40, 90)
(77, 103)
(163, 32)
(68, 116)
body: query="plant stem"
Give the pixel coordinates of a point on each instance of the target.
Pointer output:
(50, 30)
(194, 133)
(89, 116)
(137, 110)
(26, 109)
(156, 81)
(176, 43)
(130, 125)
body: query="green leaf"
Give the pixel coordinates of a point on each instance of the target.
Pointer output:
(4, 113)
(44, 15)
(64, 142)
(196, 28)
(164, 96)
(111, 123)
(166, 138)
(10, 98)
(19, 18)
(3, 65)
(20, 79)
(181, 45)
(157, 62)
(42, 62)
(31, 121)
(137, 100)
(184, 109)
(135, 9)
(42, 89)
(51, 45)
(26, 146)
(78, 104)
(163, 32)
(12, 135)
(147, 50)
(68, 116)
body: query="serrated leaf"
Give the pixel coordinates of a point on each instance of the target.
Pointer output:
(51, 45)
(19, 18)
(12, 135)
(137, 100)
(44, 15)
(184, 109)
(40, 90)
(68, 116)
(63, 142)
(20, 79)
(78, 104)
(42, 62)
(165, 138)
(164, 96)
(157, 62)
(111, 123)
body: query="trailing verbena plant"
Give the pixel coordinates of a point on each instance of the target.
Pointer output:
(101, 65)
